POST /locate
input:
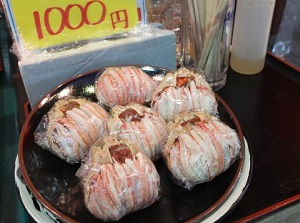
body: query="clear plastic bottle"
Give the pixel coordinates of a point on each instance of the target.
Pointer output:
(251, 32)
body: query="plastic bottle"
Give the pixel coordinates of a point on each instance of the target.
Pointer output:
(251, 32)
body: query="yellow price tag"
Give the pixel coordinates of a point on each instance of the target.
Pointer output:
(45, 23)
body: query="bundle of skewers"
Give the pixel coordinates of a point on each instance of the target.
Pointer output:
(205, 22)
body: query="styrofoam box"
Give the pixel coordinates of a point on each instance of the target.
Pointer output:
(42, 73)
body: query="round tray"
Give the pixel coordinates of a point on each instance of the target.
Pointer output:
(56, 190)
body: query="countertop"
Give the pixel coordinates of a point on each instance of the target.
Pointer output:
(268, 107)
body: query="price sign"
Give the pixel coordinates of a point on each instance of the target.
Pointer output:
(44, 23)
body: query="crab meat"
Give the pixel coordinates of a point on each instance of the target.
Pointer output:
(117, 179)
(142, 125)
(183, 91)
(124, 85)
(199, 148)
(70, 128)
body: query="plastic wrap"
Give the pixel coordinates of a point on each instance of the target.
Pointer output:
(124, 85)
(56, 26)
(42, 73)
(66, 38)
(199, 148)
(118, 179)
(183, 90)
(137, 33)
(71, 127)
(142, 125)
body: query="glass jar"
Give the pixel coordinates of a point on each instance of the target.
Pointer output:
(206, 38)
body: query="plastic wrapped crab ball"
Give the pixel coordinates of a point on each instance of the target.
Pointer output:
(183, 90)
(199, 148)
(124, 85)
(140, 124)
(117, 179)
